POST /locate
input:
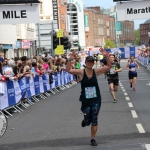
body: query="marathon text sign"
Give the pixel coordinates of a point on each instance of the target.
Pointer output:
(133, 10)
(18, 14)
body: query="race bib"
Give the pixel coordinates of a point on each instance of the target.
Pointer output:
(133, 69)
(112, 71)
(90, 92)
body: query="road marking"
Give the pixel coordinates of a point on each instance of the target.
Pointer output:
(134, 114)
(130, 104)
(123, 90)
(147, 146)
(127, 98)
(125, 93)
(140, 128)
(121, 85)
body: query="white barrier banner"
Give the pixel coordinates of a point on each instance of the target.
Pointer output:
(19, 14)
(127, 52)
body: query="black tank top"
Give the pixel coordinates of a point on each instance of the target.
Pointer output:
(90, 90)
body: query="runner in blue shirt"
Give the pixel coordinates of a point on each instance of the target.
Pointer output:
(131, 66)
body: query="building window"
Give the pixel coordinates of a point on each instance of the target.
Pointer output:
(41, 17)
(63, 18)
(41, 8)
(48, 17)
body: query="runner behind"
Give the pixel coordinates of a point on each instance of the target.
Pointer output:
(112, 76)
(131, 66)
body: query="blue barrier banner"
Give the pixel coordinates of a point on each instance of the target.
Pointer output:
(28, 87)
(56, 79)
(122, 53)
(132, 51)
(22, 83)
(108, 50)
(36, 85)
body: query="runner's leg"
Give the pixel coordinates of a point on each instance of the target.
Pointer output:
(111, 85)
(134, 82)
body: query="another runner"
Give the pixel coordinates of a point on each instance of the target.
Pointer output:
(112, 76)
(90, 95)
(131, 66)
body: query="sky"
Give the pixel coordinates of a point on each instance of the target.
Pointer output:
(108, 4)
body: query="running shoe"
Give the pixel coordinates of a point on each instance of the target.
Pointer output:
(83, 123)
(115, 101)
(93, 142)
(130, 85)
(134, 89)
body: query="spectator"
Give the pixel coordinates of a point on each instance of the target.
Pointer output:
(1, 59)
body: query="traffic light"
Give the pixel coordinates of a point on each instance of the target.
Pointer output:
(55, 41)
(65, 42)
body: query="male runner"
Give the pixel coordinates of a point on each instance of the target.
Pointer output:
(112, 76)
(90, 95)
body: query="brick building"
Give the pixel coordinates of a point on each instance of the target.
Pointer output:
(144, 29)
(96, 33)
(127, 36)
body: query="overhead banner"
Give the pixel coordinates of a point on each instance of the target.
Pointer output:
(19, 14)
(133, 10)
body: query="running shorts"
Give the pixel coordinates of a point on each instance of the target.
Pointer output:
(131, 76)
(91, 112)
(114, 81)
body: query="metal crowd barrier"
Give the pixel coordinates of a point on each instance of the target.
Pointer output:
(32, 89)
(144, 61)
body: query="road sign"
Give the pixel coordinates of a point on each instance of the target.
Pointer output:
(60, 33)
(59, 50)
(119, 27)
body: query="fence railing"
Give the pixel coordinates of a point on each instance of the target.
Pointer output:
(144, 60)
(32, 88)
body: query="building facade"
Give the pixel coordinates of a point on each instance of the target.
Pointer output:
(95, 31)
(75, 22)
(144, 30)
(127, 36)
(8, 38)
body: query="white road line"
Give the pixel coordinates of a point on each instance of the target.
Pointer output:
(134, 114)
(122, 87)
(127, 98)
(140, 128)
(123, 90)
(125, 93)
(130, 104)
(147, 146)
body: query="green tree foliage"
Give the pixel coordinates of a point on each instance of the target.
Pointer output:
(109, 44)
(137, 36)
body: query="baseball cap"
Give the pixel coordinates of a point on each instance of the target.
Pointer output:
(89, 58)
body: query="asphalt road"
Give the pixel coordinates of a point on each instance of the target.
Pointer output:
(55, 123)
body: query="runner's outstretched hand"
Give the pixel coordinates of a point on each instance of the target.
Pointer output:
(103, 51)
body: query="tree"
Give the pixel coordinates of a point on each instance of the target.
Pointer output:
(137, 36)
(109, 44)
